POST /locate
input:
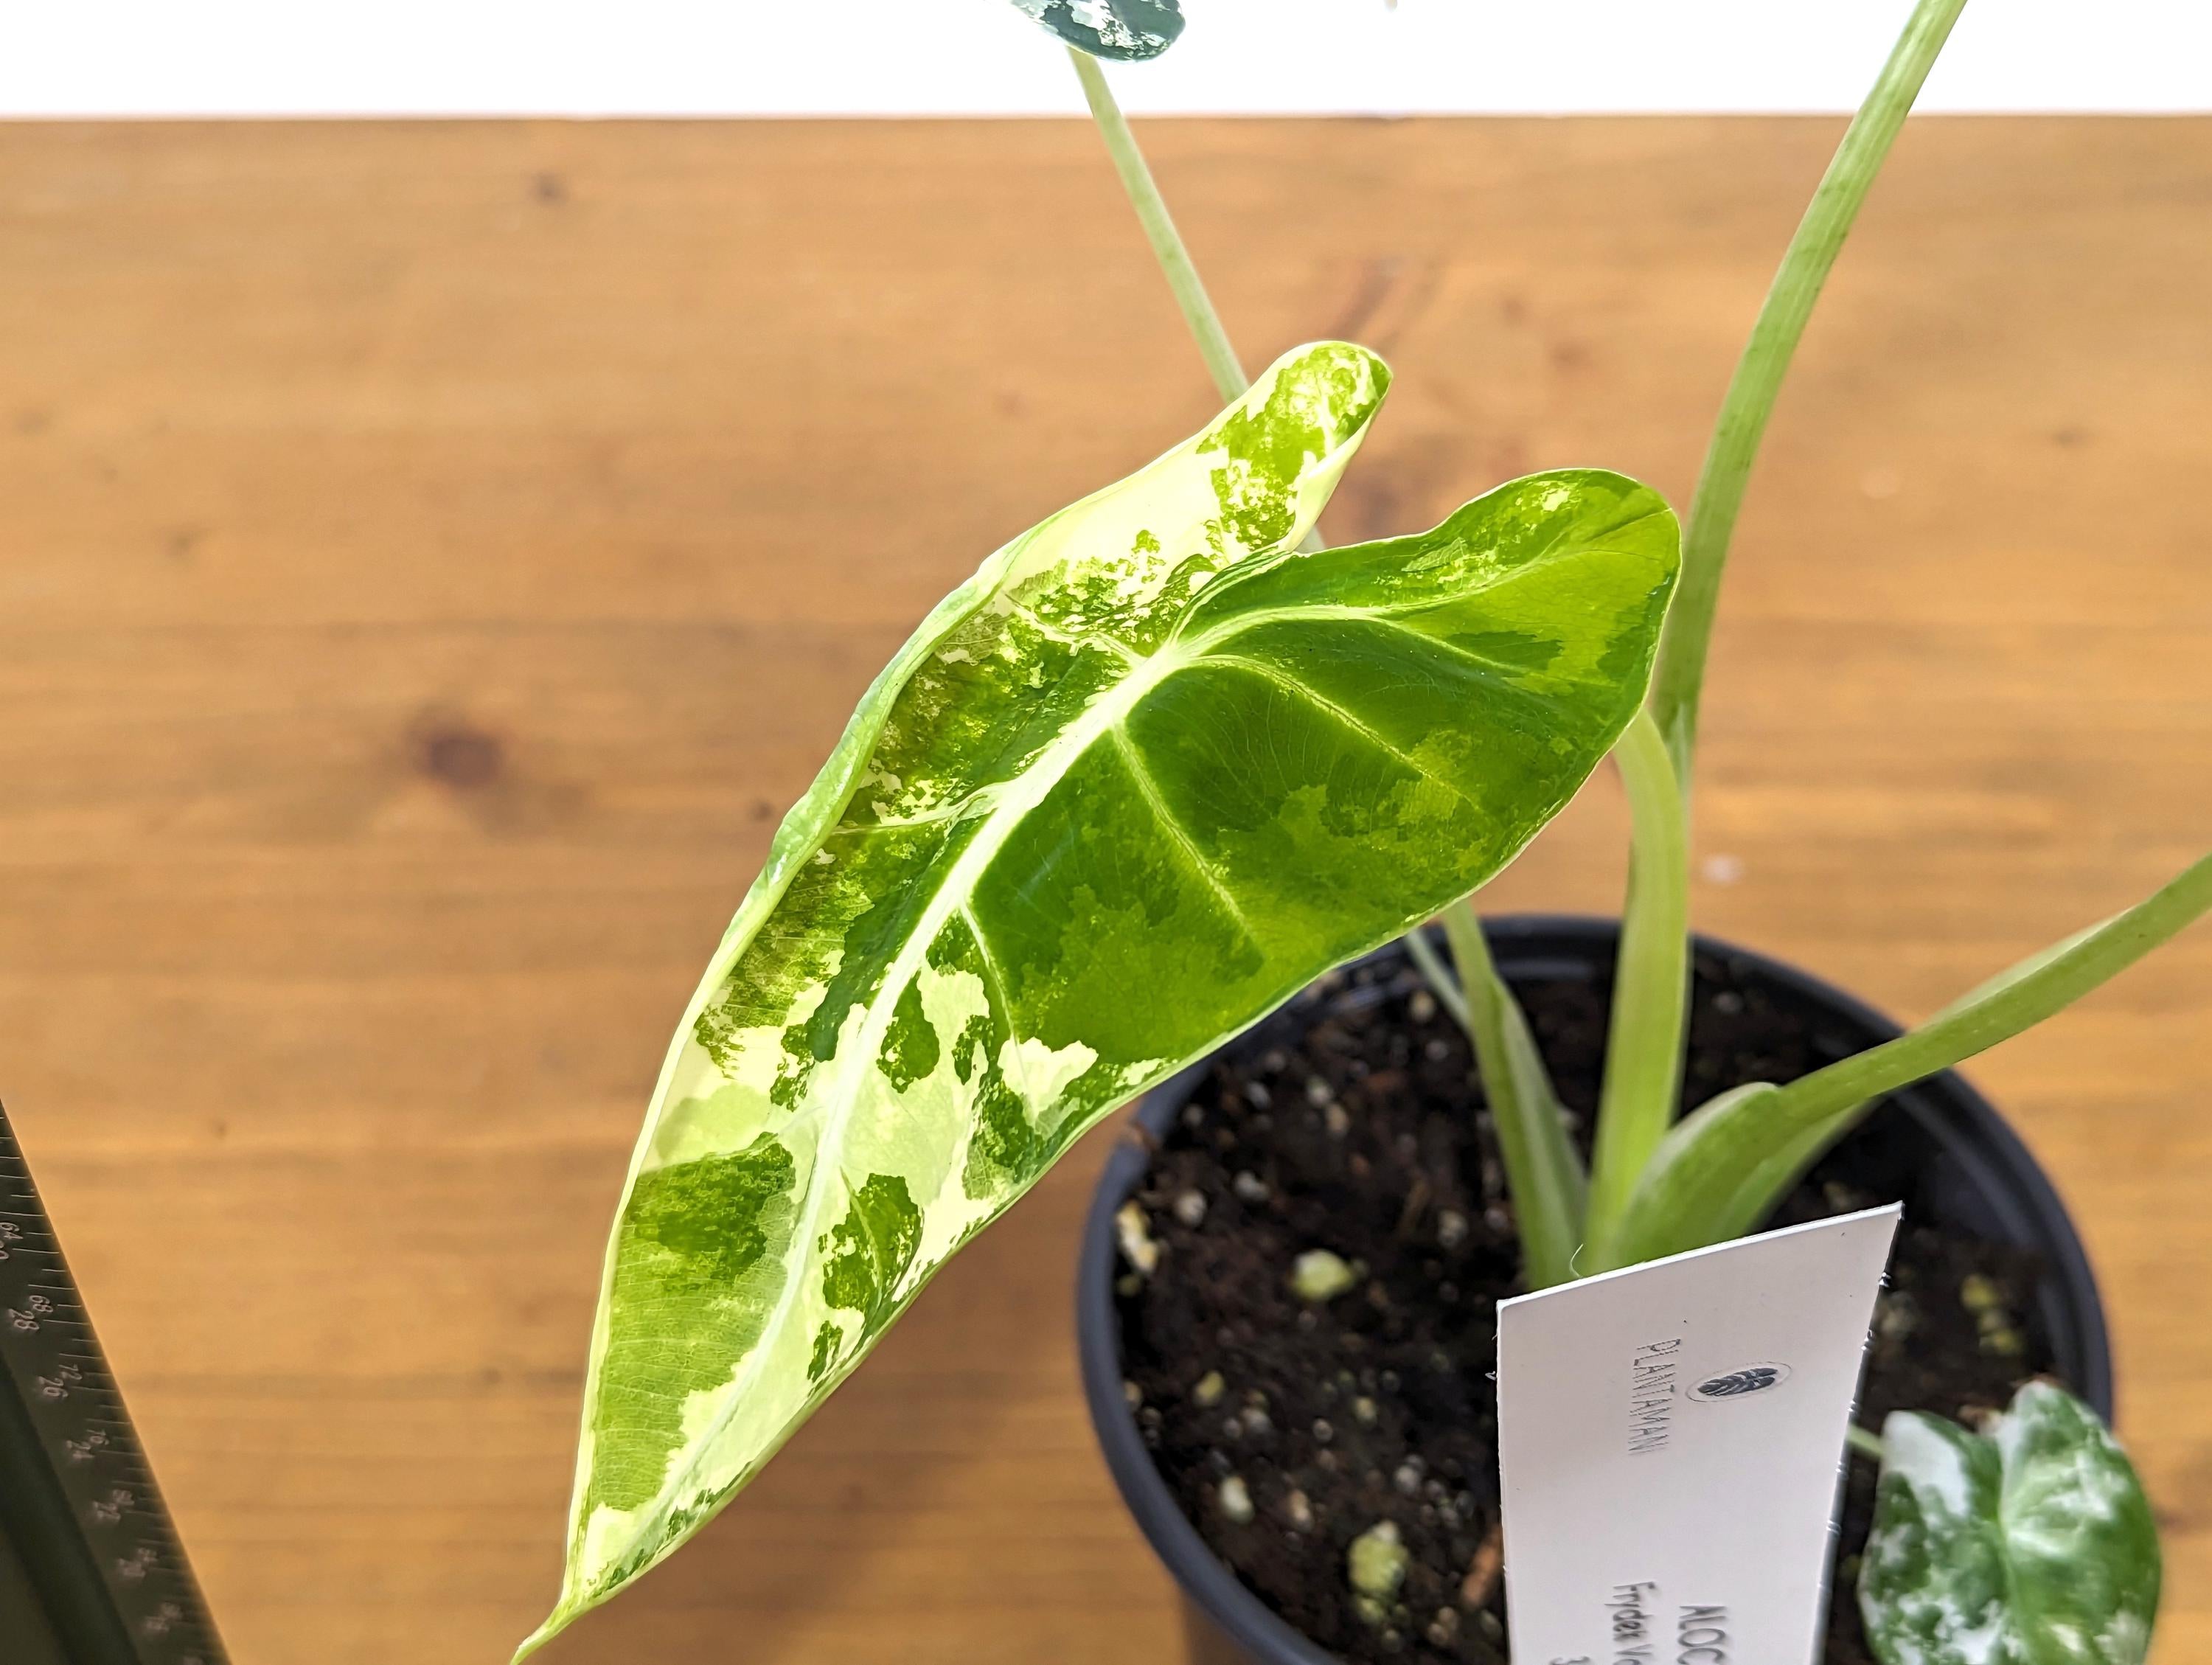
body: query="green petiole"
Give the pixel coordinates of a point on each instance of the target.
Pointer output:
(1643, 1053)
(1722, 1169)
(1436, 972)
(1221, 361)
(1542, 1170)
(1648, 1022)
(1751, 394)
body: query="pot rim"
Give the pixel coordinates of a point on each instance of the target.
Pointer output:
(1986, 1149)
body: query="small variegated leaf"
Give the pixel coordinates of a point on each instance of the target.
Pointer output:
(2034, 1546)
(1127, 29)
(1147, 773)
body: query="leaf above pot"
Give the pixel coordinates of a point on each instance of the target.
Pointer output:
(2031, 1546)
(1147, 773)
(1127, 29)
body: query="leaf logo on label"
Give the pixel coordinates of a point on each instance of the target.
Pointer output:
(1740, 1384)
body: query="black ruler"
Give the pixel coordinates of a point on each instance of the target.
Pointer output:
(91, 1573)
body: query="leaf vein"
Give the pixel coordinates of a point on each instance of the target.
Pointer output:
(1178, 835)
(996, 989)
(1350, 719)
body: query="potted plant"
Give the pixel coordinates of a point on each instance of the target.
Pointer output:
(1156, 772)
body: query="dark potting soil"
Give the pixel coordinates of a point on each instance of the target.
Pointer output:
(1365, 1137)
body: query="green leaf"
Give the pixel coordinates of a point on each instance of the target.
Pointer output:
(2033, 1546)
(1127, 29)
(1147, 773)
(1722, 1168)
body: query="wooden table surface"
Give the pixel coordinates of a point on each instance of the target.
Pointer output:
(433, 556)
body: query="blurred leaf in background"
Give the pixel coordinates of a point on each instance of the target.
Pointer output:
(1127, 29)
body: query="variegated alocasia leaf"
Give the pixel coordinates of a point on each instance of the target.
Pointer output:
(2034, 1546)
(1146, 774)
(1111, 28)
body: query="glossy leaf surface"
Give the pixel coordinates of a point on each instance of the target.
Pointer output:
(1127, 29)
(1146, 774)
(2034, 1546)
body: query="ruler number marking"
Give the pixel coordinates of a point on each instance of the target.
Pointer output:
(49, 1351)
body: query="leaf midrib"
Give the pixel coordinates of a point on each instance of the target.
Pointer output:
(1201, 864)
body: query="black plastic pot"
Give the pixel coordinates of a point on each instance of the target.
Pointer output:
(1969, 1170)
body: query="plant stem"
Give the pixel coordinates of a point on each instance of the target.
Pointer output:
(1175, 262)
(1542, 1170)
(1650, 985)
(1221, 360)
(2045, 985)
(1439, 978)
(1864, 1442)
(1724, 1167)
(1759, 373)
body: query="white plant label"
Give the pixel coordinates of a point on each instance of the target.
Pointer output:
(1672, 1435)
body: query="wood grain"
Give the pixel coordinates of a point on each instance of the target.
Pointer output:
(432, 556)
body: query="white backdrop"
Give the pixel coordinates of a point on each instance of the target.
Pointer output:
(979, 57)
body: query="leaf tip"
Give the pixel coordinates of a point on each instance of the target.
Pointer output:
(566, 1611)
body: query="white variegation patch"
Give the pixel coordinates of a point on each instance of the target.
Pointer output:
(2032, 1546)
(1109, 28)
